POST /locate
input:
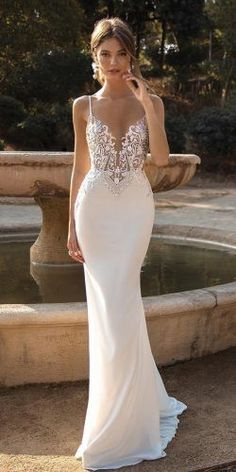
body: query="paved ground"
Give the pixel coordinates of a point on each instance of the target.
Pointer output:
(41, 425)
(202, 203)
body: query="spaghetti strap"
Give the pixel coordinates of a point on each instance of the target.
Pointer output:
(90, 106)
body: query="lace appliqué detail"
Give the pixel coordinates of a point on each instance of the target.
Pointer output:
(117, 169)
(95, 175)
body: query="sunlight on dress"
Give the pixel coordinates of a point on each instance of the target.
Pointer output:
(129, 416)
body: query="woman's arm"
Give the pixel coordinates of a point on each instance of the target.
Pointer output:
(81, 164)
(158, 144)
(155, 115)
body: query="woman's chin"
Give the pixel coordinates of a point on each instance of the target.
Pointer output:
(114, 76)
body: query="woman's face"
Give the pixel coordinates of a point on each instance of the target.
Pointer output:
(112, 58)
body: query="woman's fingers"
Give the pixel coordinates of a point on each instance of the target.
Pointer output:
(76, 253)
(77, 257)
(74, 249)
(130, 83)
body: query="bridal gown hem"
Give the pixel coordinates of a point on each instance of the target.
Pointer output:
(130, 417)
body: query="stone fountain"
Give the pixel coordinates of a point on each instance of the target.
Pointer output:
(48, 342)
(45, 176)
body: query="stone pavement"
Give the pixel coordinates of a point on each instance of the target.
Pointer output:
(199, 206)
(41, 425)
(200, 203)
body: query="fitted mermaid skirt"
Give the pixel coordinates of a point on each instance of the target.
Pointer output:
(129, 416)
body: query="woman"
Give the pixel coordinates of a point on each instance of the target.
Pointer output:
(130, 416)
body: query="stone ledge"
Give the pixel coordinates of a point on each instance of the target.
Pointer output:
(53, 158)
(197, 233)
(49, 342)
(170, 304)
(36, 158)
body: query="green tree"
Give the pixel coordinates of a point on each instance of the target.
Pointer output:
(223, 16)
(29, 28)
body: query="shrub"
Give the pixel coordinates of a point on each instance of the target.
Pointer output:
(212, 135)
(62, 115)
(11, 112)
(175, 131)
(34, 133)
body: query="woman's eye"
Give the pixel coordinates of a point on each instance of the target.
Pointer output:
(123, 53)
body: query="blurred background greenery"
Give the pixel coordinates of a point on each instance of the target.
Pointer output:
(186, 50)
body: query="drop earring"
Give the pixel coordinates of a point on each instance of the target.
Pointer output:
(95, 68)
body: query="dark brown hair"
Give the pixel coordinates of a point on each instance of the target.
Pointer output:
(107, 28)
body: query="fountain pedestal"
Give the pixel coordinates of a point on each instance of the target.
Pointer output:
(50, 246)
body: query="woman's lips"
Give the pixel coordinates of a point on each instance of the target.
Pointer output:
(114, 70)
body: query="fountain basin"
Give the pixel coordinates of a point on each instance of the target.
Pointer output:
(46, 177)
(49, 342)
(31, 174)
(169, 266)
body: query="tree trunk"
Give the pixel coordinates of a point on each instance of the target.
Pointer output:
(226, 87)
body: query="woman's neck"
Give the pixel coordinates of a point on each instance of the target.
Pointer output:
(115, 90)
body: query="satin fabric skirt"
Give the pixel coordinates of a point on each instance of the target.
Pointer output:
(130, 416)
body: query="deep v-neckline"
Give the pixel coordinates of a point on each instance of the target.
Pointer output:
(123, 139)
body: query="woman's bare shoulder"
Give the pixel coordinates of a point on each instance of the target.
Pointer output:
(156, 99)
(80, 106)
(158, 105)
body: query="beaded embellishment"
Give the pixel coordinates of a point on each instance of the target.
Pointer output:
(116, 168)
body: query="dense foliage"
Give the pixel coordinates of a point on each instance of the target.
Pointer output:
(186, 48)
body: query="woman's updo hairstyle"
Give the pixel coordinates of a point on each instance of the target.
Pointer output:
(107, 28)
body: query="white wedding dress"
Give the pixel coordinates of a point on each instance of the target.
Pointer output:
(130, 416)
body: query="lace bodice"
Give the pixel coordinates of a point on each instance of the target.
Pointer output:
(117, 167)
